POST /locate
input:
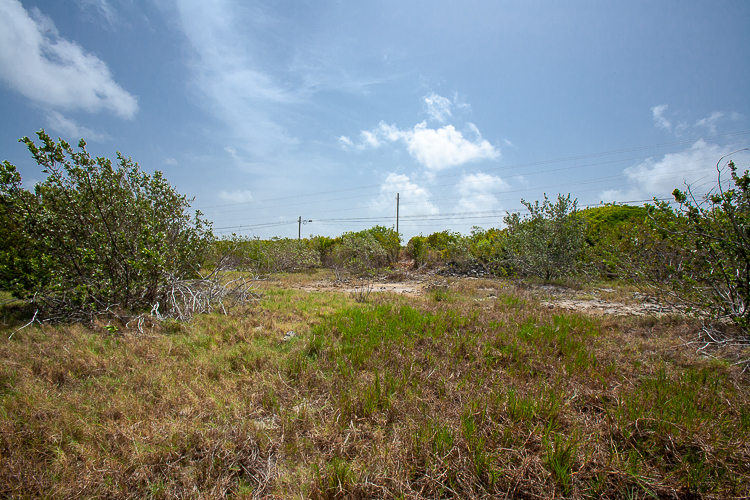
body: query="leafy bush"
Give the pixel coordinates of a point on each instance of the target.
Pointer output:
(389, 239)
(268, 256)
(489, 248)
(17, 251)
(548, 241)
(358, 253)
(96, 236)
(615, 234)
(437, 248)
(282, 254)
(714, 269)
(418, 249)
(324, 246)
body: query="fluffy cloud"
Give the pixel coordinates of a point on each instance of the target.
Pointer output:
(659, 119)
(695, 167)
(477, 192)
(52, 71)
(72, 130)
(436, 149)
(415, 197)
(438, 107)
(446, 147)
(236, 196)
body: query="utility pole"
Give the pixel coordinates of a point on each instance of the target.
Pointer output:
(300, 222)
(397, 194)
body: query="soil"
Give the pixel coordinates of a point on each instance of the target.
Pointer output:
(412, 283)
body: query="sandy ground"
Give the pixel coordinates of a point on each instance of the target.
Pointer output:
(553, 297)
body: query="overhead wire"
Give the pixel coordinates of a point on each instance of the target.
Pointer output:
(505, 167)
(506, 193)
(469, 215)
(407, 190)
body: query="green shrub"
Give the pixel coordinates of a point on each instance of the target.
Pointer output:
(548, 242)
(610, 237)
(712, 264)
(488, 247)
(94, 236)
(439, 248)
(358, 253)
(285, 254)
(389, 239)
(324, 246)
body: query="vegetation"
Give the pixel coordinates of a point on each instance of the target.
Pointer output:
(450, 395)
(714, 231)
(472, 389)
(97, 239)
(548, 242)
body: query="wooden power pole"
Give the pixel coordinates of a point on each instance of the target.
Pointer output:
(397, 194)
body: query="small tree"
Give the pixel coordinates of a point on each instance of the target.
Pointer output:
(97, 236)
(715, 269)
(548, 241)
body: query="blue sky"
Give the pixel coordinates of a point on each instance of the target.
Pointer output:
(269, 111)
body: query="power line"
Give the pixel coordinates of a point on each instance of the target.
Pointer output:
(402, 189)
(482, 214)
(520, 165)
(506, 193)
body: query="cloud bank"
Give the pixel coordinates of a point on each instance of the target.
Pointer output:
(51, 71)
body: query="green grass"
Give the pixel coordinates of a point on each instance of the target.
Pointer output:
(439, 396)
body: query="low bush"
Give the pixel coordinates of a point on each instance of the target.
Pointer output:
(281, 255)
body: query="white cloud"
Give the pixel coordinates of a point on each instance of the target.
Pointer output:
(446, 147)
(695, 167)
(710, 121)
(436, 149)
(102, 7)
(438, 107)
(413, 196)
(659, 119)
(53, 71)
(72, 130)
(369, 140)
(238, 196)
(170, 161)
(229, 78)
(345, 142)
(477, 192)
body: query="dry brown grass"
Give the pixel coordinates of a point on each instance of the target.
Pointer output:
(471, 391)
